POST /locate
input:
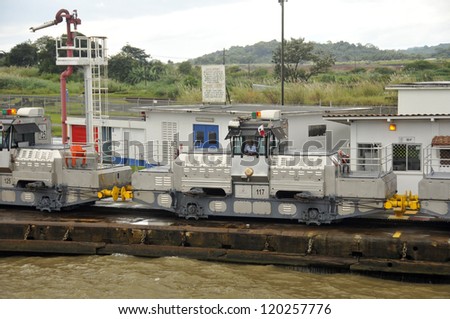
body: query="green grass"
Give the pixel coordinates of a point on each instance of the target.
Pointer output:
(362, 93)
(27, 81)
(351, 84)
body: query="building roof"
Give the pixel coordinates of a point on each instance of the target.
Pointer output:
(440, 140)
(436, 85)
(247, 109)
(347, 118)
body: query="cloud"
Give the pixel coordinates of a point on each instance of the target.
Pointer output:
(186, 34)
(187, 29)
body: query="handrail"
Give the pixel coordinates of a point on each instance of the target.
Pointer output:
(436, 161)
(374, 161)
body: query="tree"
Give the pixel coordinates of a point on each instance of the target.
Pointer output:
(46, 53)
(420, 65)
(185, 68)
(23, 54)
(136, 54)
(297, 55)
(132, 65)
(3, 57)
(120, 67)
(129, 65)
(155, 70)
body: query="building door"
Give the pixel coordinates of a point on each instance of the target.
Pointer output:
(206, 136)
(79, 134)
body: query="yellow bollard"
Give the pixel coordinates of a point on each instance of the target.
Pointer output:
(115, 192)
(401, 203)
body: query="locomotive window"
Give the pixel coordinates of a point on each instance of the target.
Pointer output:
(317, 130)
(237, 145)
(262, 146)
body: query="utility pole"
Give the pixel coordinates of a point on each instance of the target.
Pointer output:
(282, 50)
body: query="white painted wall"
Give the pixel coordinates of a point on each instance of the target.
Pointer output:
(299, 127)
(424, 101)
(417, 131)
(151, 130)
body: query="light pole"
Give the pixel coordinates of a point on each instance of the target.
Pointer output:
(281, 2)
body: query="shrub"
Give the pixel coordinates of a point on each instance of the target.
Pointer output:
(420, 66)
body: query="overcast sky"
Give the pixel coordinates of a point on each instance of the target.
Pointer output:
(183, 29)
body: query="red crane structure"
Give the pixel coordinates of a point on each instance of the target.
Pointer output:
(70, 19)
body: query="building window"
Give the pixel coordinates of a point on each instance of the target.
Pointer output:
(317, 130)
(368, 157)
(199, 138)
(206, 136)
(444, 156)
(212, 137)
(406, 157)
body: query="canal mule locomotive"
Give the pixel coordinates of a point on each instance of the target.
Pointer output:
(259, 176)
(35, 173)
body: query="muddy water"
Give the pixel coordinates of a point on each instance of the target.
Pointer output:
(121, 276)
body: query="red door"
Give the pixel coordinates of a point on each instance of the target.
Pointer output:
(79, 135)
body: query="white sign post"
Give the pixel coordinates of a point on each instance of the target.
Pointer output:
(213, 84)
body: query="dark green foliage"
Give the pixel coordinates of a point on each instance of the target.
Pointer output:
(191, 81)
(135, 54)
(46, 47)
(297, 53)
(358, 70)
(309, 66)
(441, 51)
(23, 54)
(132, 65)
(262, 52)
(3, 57)
(185, 68)
(420, 65)
(120, 67)
(384, 70)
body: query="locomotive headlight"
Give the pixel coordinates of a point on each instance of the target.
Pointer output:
(248, 172)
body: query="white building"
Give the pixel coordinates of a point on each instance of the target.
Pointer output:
(423, 97)
(423, 114)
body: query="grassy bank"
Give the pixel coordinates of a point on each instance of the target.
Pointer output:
(342, 89)
(356, 84)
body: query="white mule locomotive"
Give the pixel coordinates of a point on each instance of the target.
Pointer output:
(257, 176)
(35, 173)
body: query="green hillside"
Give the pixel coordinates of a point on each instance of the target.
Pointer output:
(261, 53)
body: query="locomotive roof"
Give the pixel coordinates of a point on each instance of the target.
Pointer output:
(20, 126)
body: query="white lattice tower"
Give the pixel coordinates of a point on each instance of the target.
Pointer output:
(91, 54)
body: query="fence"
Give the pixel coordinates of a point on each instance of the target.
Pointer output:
(437, 162)
(373, 161)
(75, 104)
